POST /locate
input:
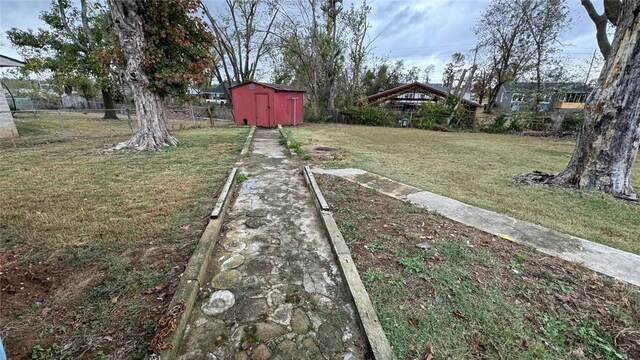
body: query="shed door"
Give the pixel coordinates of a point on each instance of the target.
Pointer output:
(262, 110)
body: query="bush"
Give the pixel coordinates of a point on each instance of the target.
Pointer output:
(498, 124)
(572, 122)
(309, 117)
(515, 125)
(430, 115)
(427, 123)
(366, 115)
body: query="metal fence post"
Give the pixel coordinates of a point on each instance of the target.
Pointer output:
(193, 117)
(64, 132)
(129, 119)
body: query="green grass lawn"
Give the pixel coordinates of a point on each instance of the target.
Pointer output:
(109, 231)
(477, 168)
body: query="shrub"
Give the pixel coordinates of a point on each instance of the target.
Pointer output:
(498, 124)
(572, 122)
(366, 115)
(431, 114)
(427, 123)
(309, 117)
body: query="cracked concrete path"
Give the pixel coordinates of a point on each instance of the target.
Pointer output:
(606, 260)
(276, 291)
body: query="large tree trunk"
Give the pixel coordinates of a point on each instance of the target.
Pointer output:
(152, 129)
(493, 98)
(608, 142)
(109, 106)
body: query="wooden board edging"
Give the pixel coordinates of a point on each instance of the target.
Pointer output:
(376, 338)
(247, 143)
(224, 193)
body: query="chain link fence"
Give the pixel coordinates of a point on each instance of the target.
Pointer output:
(45, 124)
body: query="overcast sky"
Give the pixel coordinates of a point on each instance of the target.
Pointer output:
(420, 32)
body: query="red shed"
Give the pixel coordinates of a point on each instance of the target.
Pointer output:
(267, 105)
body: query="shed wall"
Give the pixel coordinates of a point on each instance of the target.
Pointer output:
(280, 106)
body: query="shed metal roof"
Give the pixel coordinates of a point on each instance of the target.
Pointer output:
(276, 87)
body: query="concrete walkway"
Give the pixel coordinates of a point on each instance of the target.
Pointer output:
(603, 259)
(275, 290)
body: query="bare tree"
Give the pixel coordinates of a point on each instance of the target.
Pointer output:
(299, 44)
(544, 22)
(332, 50)
(358, 48)
(243, 32)
(313, 38)
(502, 34)
(607, 146)
(452, 70)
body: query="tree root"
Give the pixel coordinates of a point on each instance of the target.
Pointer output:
(141, 143)
(537, 177)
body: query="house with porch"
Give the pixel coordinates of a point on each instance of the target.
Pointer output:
(565, 97)
(410, 96)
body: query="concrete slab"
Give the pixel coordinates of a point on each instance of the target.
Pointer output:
(606, 260)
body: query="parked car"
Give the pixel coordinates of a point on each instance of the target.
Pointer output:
(216, 101)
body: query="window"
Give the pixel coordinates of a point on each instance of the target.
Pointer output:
(517, 97)
(575, 97)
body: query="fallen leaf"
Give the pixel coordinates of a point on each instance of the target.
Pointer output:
(564, 298)
(114, 300)
(186, 227)
(578, 352)
(429, 354)
(602, 311)
(459, 313)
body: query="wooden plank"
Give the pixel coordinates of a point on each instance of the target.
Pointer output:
(224, 193)
(378, 342)
(315, 189)
(247, 143)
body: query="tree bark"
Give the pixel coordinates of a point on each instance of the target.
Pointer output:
(608, 142)
(109, 106)
(152, 130)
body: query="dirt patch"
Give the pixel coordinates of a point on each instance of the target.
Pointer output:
(51, 312)
(442, 286)
(325, 153)
(22, 285)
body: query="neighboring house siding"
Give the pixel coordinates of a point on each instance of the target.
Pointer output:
(7, 125)
(560, 96)
(503, 99)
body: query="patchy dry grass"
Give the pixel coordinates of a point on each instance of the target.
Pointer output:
(91, 244)
(443, 289)
(477, 168)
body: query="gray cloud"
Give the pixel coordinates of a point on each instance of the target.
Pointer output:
(420, 32)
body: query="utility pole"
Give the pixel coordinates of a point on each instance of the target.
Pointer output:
(590, 65)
